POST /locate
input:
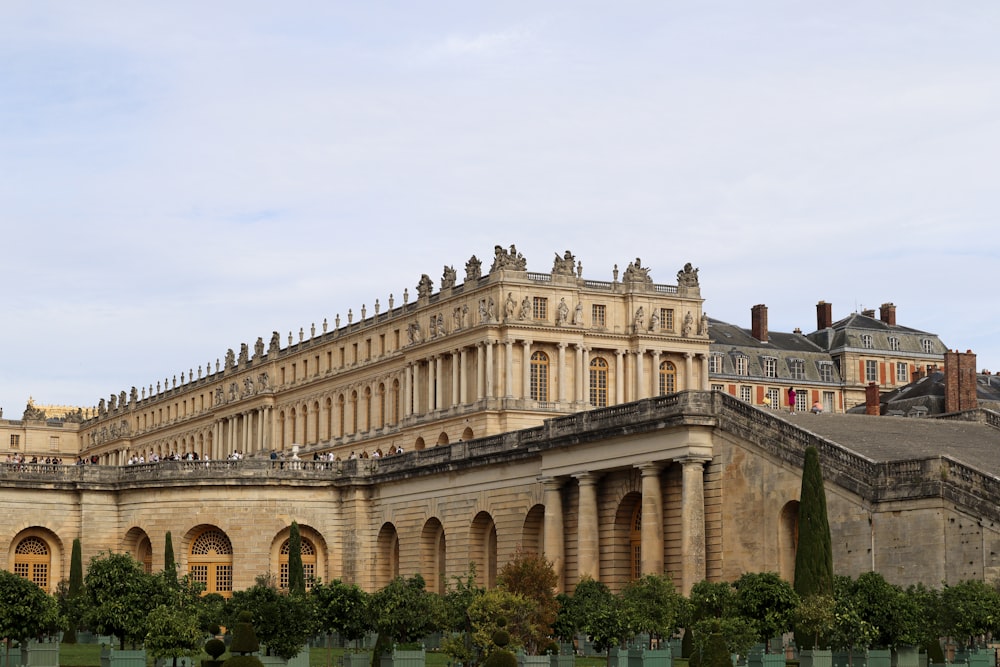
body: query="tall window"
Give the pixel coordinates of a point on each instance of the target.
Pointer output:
(825, 372)
(774, 398)
(926, 345)
(381, 405)
(340, 416)
(801, 400)
(797, 369)
(667, 319)
(715, 363)
(308, 564)
(902, 372)
(539, 376)
(770, 367)
(746, 394)
(741, 364)
(635, 542)
(32, 559)
(893, 343)
(15, 441)
(866, 341)
(871, 370)
(211, 562)
(668, 378)
(598, 313)
(540, 308)
(598, 382)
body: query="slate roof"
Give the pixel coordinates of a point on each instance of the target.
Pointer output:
(847, 332)
(729, 341)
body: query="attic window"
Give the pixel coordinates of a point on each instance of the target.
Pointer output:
(893, 343)
(927, 345)
(866, 341)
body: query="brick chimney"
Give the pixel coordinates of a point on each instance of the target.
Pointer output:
(872, 406)
(868, 312)
(887, 313)
(918, 373)
(824, 315)
(758, 322)
(960, 381)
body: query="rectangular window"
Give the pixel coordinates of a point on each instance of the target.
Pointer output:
(774, 398)
(381, 344)
(797, 369)
(826, 372)
(667, 319)
(223, 578)
(354, 353)
(718, 387)
(893, 343)
(801, 401)
(199, 573)
(902, 372)
(926, 345)
(828, 398)
(871, 370)
(715, 363)
(598, 313)
(15, 441)
(746, 394)
(866, 341)
(741, 365)
(770, 367)
(540, 308)
(54, 443)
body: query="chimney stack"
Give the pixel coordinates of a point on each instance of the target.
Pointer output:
(872, 396)
(887, 313)
(960, 381)
(869, 312)
(824, 315)
(758, 322)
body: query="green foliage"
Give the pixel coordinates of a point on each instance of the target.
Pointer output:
(500, 658)
(970, 611)
(342, 608)
(172, 632)
(215, 647)
(211, 612)
(76, 570)
(533, 577)
(576, 612)
(71, 602)
(121, 595)
(242, 661)
(405, 611)
(654, 605)
(851, 630)
(26, 610)
(244, 636)
(715, 638)
(767, 601)
(457, 600)
(814, 619)
(814, 553)
(499, 609)
(169, 564)
(711, 600)
(283, 622)
(296, 574)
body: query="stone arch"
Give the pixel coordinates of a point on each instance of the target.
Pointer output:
(419, 443)
(314, 555)
(293, 426)
(442, 439)
(386, 566)
(624, 554)
(328, 418)
(210, 558)
(36, 554)
(281, 430)
(138, 544)
(788, 539)
(315, 424)
(467, 433)
(533, 530)
(433, 554)
(483, 549)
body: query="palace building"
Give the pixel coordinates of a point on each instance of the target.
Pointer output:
(610, 425)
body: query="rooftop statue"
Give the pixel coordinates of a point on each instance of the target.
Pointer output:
(635, 272)
(510, 260)
(473, 269)
(687, 277)
(448, 277)
(425, 286)
(31, 413)
(565, 265)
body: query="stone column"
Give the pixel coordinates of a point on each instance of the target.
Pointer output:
(580, 370)
(489, 369)
(705, 383)
(688, 371)
(431, 384)
(654, 389)
(508, 368)
(247, 429)
(526, 369)
(216, 440)
(463, 380)
(693, 561)
(480, 371)
(588, 531)
(619, 379)
(455, 396)
(640, 375)
(438, 382)
(407, 392)
(553, 547)
(652, 519)
(561, 375)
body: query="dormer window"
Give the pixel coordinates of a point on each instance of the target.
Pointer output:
(770, 367)
(741, 364)
(893, 343)
(866, 341)
(927, 345)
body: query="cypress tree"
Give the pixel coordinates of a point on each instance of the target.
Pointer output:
(814, 555)
(169, 565)
(76, 570)
(296, 574)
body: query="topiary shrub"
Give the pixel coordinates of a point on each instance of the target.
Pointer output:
(243, 661)
(244, 643)
(214, 648)
(501, 658)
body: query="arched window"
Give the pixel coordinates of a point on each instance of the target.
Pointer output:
(211, 562)
(32, 560)
(394, 409)
(367, 426)
(354, 413)
(381, 405)
(668, 378)
(539, 376)
(340, 416)
(144, 554)
(598, 382)
(308, 564)
(635, 542)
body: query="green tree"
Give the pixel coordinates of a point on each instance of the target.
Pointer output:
(533, 577)
(655, 606)
(296, 574)
(26, 611)
(851, 629)
(814, 619)
(499, 612)
(283, 621)
(405, 611)
(71, 600)
(970, 611)
(342, 608)
(169, 564)
(814, 553)
(714, 628)
(120, 596)
(173, 632)
(767, 601)
(457, 601)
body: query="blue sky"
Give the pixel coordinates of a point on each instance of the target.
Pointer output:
(180, 178)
